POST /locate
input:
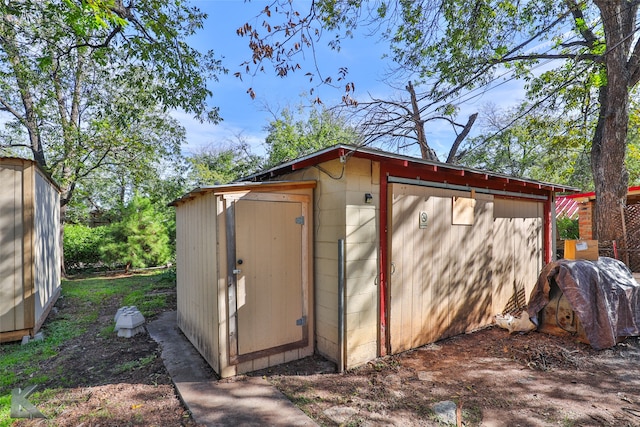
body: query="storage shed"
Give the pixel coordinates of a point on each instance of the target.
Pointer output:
(431, 250)
(29, 247)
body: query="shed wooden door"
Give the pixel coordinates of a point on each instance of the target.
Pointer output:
(440, 282)
(518, 259)
(271, 283)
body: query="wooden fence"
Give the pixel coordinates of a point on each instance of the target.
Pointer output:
(627, 248)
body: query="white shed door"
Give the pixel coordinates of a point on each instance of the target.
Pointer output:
(270, 287)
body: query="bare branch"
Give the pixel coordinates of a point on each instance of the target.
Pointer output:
(456, 144)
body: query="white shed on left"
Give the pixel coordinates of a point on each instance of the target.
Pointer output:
(29, 247)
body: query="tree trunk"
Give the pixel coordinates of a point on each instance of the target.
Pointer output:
(426, 151)
(609, 144)
(63, 214)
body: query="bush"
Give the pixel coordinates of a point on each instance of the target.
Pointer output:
(567, 228)
(140, 239)
(82, 245)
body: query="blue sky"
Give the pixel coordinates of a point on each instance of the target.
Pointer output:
(242, 115)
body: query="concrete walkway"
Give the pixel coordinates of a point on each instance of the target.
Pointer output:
(249, 401)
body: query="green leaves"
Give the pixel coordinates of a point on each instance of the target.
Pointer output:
(89, 84)
(223, 165)
(536, 143)
(291, 137)
(86, 16)
(139, 239)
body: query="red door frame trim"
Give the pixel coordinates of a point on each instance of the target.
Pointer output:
(383, 339)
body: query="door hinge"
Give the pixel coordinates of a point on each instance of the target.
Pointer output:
(301, 321)
(300, 220)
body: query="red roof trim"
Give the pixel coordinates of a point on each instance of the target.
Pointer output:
(593, 193)
(439, 172)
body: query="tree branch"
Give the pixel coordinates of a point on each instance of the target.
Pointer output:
(589, 38)
(456, 144)
(15, 113)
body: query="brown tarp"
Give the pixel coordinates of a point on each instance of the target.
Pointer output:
(603, 294)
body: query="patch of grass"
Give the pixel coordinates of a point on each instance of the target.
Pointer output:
(101, 413)
(19, 364)
(107, 331)
(568, 422)
(51, 402)
(148, 305)
(5, 410)
(302, 400)
(135, 364)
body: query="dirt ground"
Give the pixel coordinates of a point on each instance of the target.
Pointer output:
(104, 380)
(495, 378)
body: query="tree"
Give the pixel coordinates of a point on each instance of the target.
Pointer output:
(461, 44)
(291, 137)
(401, 122)
(633, 148)
(531, 144)
(221, 165)
(139, 239)
(86, 83)
(149, 153)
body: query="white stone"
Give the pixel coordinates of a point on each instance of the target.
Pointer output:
(129, 320)
(340, 414)
(446, 411)
(129, 332)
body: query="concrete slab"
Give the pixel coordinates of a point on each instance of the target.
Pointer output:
(182, 360)
(246, 401)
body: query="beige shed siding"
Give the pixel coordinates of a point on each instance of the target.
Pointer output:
(196, 256)
(203, 289)
(330, 224)
(29, 248)
(341, 213)
(46, 244)
(362, 243)
(518, 225)
(12, 304)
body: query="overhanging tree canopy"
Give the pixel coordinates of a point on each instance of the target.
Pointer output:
(87, 84)
(461, 44)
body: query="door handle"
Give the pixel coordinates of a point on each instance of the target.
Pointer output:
(393, 267)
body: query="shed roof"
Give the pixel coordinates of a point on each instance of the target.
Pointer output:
(239, 187)
(429, 170)
(21, 161)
